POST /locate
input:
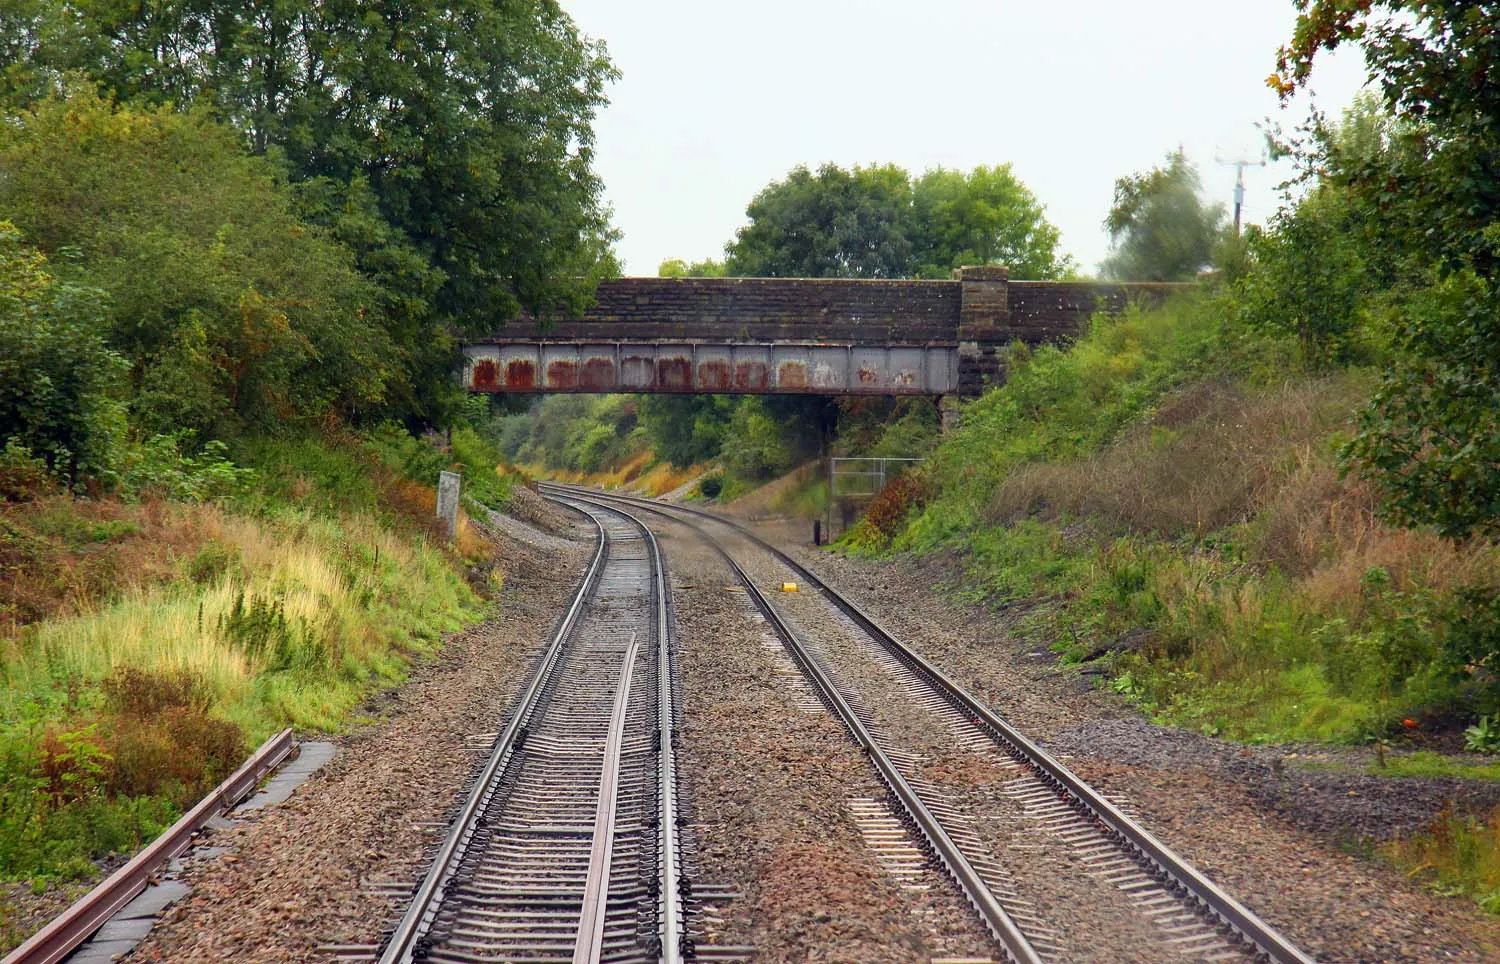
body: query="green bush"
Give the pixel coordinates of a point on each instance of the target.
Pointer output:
(58, 381)
(754, 448)
(231, 311)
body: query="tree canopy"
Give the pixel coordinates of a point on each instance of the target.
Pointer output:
(291, 212)
(1423, 190)
(229, 309)
(880, 222)
(1159, 227)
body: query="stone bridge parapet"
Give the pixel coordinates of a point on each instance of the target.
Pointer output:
(792, 335)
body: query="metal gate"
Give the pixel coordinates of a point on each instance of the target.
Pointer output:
(853, 482)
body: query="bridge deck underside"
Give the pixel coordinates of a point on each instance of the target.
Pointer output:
(697, 367)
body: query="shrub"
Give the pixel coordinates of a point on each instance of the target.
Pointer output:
(711, 486)
(22, 477)
(164, 740)
(57, 379)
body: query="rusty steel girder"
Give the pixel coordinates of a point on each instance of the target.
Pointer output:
(698, 367)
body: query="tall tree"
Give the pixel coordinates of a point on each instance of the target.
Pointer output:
(465, 126)
(228, 308)
(830, 224)
(879, 222)
(986, 216)
(1159, 227)
(1431, 437)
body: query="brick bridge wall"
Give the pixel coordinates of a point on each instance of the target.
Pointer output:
(976, 314)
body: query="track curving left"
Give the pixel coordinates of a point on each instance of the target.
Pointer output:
(566, 848)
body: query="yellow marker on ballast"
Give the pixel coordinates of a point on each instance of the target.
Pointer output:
(789, 587)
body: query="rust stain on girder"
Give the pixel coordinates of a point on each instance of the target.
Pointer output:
(714, 376)
(752, 376)
(519, 374)
(486, 376)
(598, 375)
(562, 375)
(792, 374)
(674, 374)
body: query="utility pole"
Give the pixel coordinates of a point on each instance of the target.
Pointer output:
(1239, 185)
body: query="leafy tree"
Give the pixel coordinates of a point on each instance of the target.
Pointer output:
(986, 216)
(685, 429)
(678, 268)
(229, 309)
(1159, 227)
(754, 445)
(1431, 438)
(832, 224)
(465, 127)
(58, 381)
(879, 222)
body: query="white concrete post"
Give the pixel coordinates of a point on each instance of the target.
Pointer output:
(447, 500)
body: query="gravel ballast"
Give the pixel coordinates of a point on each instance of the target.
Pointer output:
(770, 776)
(1276, 835)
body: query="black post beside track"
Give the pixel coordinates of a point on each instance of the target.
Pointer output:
(1175, 872)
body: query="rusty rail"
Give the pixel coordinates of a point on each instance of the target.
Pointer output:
(75, 925)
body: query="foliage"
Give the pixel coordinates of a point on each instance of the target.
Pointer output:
(1458, 854)
(986, 216)
(879, 222)
(230, 311)
(685, 429)
(754, 447)
(58, 382)
(832, 224)
(290, 603)
(1483, 736)
(1430, 439)
(158, 466)
(888, 512)
(1261, 601)
(470, 123)
(678, 268)
(574, 432)
(1159, 227)
(1430, 199)
(1308, 279)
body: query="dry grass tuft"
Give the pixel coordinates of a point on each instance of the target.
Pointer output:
(1211, 457)
(60, 556)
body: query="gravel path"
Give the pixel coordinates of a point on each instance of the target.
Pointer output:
(770, 779)
(1272, 832)
(309, 872)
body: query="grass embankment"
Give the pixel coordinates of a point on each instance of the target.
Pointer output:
(642, 472)
(149, 644)
(1166, 496)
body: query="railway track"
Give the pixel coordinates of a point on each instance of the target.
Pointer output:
(1190, 916)
(566, 848)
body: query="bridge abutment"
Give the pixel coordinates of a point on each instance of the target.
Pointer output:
(983, 321)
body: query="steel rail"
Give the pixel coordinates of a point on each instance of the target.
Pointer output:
(589, 947)
(72, 927)
(673, 937)
(1005, 930)
(414, 924)
(674, 943)
(1182, 876)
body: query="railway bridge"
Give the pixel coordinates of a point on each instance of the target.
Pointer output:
(792, 335)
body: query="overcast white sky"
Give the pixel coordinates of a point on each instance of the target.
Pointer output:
(718, 99)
